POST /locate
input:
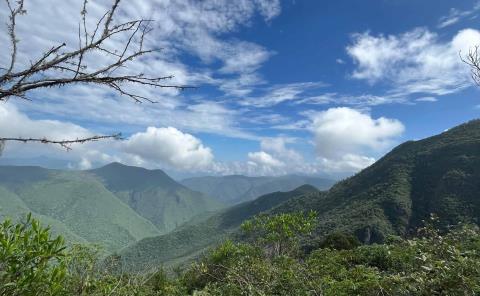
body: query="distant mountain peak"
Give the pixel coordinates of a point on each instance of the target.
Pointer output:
(307, 188)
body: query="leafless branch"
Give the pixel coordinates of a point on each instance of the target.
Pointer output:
(472, 59)
(63, 143)
(62, 66)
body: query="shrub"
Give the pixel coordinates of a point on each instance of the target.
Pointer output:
(31, 261)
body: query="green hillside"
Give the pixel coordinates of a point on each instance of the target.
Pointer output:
(194, 237)
(235, 189)
(438, 175)
(74, 203)
(154, 195)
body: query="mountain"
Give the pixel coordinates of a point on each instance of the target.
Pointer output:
(112, 206)
(192, 238)
(154, 195)
(438, 175)
(75, 204)
(235, 189)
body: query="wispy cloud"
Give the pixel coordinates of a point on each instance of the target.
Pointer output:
(278, 94)
(364, 100)
(456, 15)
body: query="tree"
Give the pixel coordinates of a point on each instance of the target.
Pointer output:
(61, 66)
(280, 234)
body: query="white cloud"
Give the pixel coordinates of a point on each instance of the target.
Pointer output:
(414, 62)
(171, 147)
(197, 28)
(348, 163)
(455, 15)
(277, 146)
(16, 124)
(427, 99)
(269, 9)
(343, 136)
(365, 100)
(277, 94)
(262, 158)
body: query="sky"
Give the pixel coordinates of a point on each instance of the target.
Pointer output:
(282, 87)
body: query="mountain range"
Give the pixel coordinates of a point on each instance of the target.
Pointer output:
(439, 175)
(113, 206)
(235, 189)
(150, 219)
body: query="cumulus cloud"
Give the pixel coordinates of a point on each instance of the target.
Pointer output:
(262, 158)
(348, 163)
(171, 149)
(414, 62)
(343, 136)
(169, 146)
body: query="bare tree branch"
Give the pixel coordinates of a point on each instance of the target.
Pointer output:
(63, 143)
(472, 59)
(61, 66)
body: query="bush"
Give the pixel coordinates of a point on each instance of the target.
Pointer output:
(31, 261)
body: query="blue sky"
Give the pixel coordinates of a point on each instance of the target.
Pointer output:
(306, 87)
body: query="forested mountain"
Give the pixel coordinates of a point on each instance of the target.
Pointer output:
(235, 189)
(75, 204)
(113, 206)
(194, 237)
(440, 175)
(154, 195)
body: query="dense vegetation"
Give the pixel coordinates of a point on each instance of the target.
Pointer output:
(271, 263)
(236, 189)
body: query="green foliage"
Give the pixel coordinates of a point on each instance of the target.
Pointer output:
(431, 263)
(31, 261)
(340, 241)
(280, 234)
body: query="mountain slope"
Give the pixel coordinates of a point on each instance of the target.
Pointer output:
(438, 175)
(75, 203)
(199, 234)
(235, 189)
(154, 195)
